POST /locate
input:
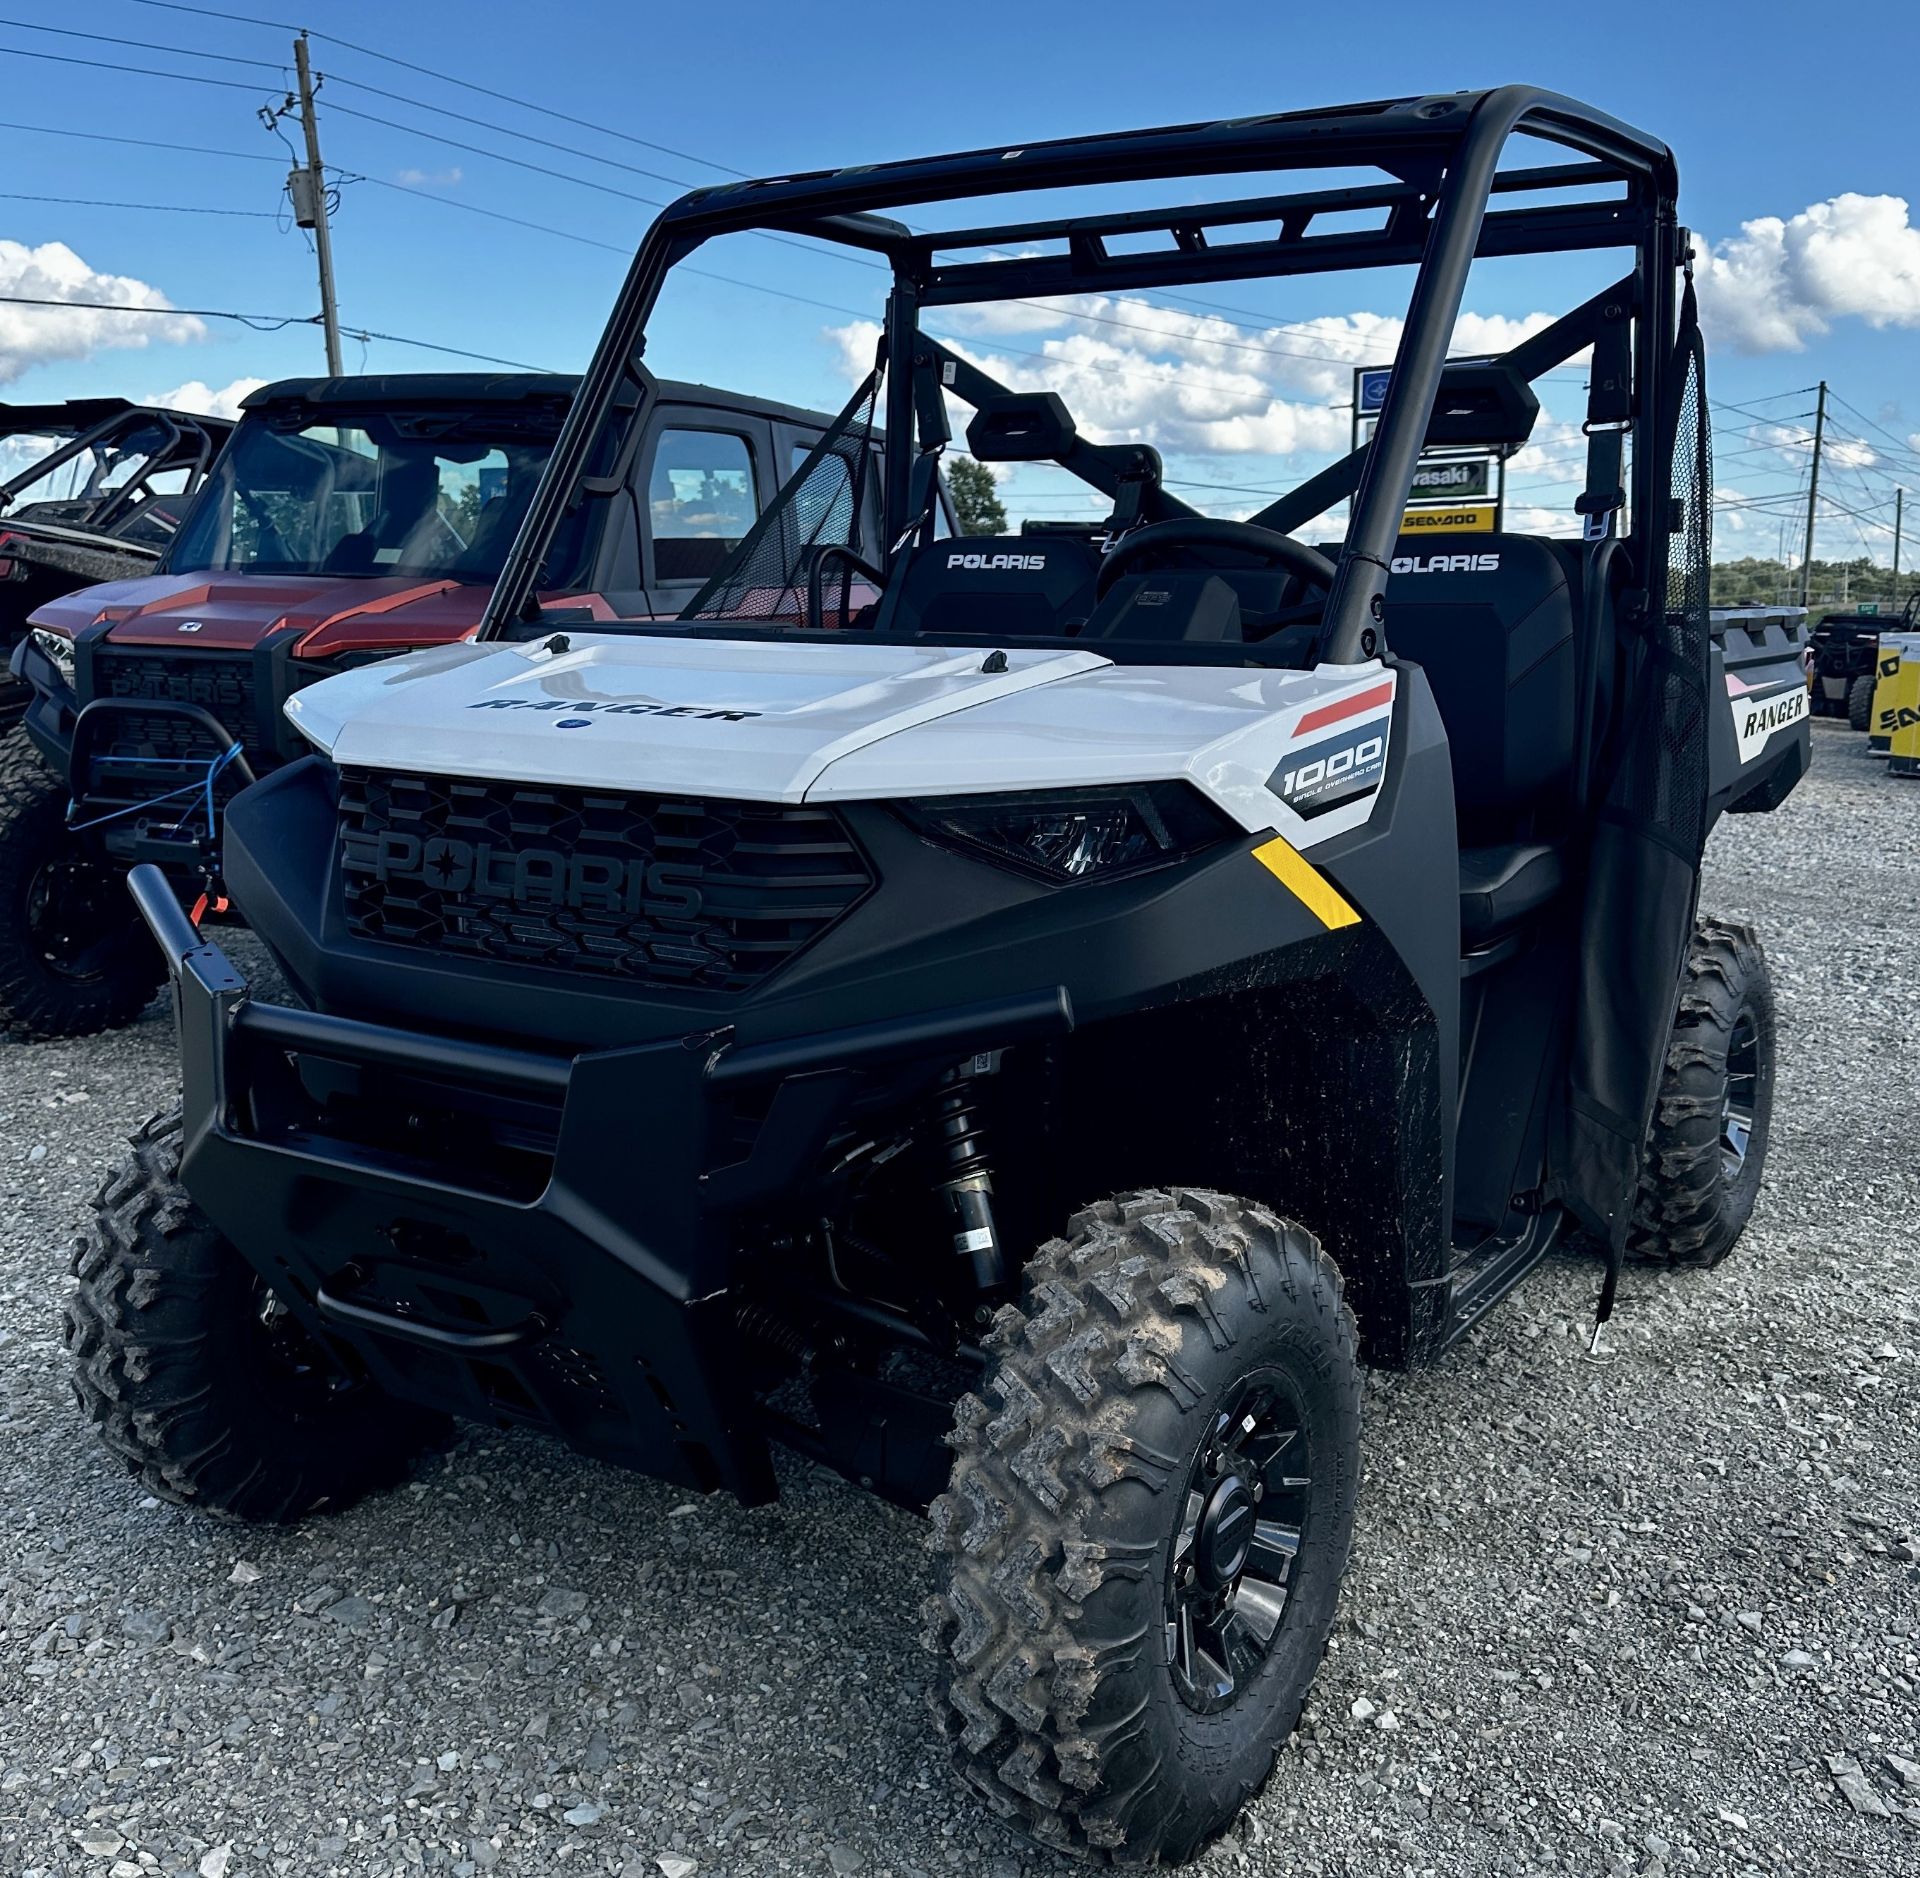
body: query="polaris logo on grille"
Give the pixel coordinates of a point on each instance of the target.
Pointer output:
(584, 883)
(998, 563)
(611, 710)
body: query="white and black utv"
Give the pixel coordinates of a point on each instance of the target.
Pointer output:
(1064, 999)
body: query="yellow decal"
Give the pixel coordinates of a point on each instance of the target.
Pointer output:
(1306, 883)
(1885, 713)
(1900, 698)
(1457, 518)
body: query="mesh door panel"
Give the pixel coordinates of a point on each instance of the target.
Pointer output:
(765, 578)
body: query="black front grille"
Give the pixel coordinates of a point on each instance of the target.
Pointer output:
(702, 895)
(222, 686)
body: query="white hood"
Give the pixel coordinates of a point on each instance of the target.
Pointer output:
(756, 720)
(792, 721)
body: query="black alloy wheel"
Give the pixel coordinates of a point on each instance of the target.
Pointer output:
(1246, 1520)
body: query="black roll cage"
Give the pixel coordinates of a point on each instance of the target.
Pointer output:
(188, 442)
(1443, 154)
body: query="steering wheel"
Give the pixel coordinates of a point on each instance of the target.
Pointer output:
(1264, 544)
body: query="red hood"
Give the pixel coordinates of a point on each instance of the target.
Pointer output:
(334, 613)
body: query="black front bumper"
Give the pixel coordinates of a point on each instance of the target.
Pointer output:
(593, 1298)
(137, 729)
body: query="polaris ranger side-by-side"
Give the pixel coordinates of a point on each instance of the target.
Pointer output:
(350, 519)
(90, 490)
(1019, 1038)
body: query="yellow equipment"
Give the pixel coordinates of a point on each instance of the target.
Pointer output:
(1898, 700)
(1880, 720)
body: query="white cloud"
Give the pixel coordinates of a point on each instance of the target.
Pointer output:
(1132, 370)
(1794, 444)
(1779, 283)
(34, 335)
(197, 396)
(429, 179)
(1730, 511)
(1524, 518)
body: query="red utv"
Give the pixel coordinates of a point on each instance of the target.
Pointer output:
(92, 489)
(349, 519)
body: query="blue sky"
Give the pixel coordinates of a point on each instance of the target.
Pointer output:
(1830, 289)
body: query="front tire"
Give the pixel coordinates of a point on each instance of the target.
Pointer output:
(1860, 702)
(1707, 1148)
(1147, 1524)
(75, 957)
(198, 1380)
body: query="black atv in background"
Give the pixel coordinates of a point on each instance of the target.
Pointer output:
(1846, 657)
(105, 487)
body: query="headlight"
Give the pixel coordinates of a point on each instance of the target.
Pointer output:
(58, 647)
(1080, 834)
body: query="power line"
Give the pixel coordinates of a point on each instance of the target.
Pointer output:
(217, 13)
(149, 208)
(498, 156)
(346, 177)
(363, 334)
(1213, 308)
(267, 322)
(260, 322)
(1904, 448)
(465, 84)
(141, 143)
(504, 130)
(454, 143)
(139, 71)
(1770, 397)
(142, 45)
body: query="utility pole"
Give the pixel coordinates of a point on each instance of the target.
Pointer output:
(1899, 515)
(307, 188)
(1813, 491)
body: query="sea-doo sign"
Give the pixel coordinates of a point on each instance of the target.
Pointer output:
(1454, 518)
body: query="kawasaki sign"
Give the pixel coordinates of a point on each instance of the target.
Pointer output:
(1454, 479)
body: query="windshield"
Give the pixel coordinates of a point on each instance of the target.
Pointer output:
(426, 495)
(70, 488)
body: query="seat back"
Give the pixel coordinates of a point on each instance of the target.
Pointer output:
(1012, 585)
(1493, 626)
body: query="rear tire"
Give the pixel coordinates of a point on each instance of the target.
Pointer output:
(1860, 702)
(1171, 1349)
(1707, 1148)
(197, 1380)
(75, 957)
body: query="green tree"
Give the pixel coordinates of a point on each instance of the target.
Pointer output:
(1836, 585)
(976, 502)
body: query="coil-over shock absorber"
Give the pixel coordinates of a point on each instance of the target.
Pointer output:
(969, 1184)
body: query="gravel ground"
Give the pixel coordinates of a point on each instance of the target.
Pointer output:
(1651, 1613)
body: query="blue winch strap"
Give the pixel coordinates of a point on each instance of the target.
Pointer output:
(202, 786)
